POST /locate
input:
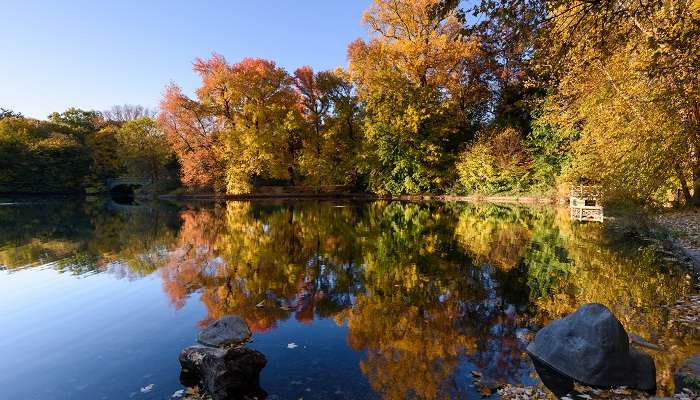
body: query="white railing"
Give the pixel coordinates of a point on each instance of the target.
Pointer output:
(587, 213)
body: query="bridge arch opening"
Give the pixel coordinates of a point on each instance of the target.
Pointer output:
(123, 193)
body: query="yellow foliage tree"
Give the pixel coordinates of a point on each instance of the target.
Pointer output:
(420, 82)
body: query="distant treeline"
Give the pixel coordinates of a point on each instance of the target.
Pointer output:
(507, 96)
(79, 151)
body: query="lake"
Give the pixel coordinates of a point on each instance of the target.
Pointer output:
(347, 300)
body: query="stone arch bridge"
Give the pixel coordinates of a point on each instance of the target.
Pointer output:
(128, 183)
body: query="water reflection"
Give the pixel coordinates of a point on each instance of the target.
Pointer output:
(427, 291)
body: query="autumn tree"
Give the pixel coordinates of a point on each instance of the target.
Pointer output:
(507, 30)
(422, 90)
(241, 128)
(628, 76)
(193, 134)
(313, 89)
(255, 104)
(331, 137)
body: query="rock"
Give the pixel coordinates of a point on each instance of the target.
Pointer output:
(590, 346)
(225, 331)
(688, 375)
(558, 383)
(232, 373)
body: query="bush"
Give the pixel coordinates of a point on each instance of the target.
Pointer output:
(496, 162)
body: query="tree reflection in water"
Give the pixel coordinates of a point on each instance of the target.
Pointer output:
(424, 289)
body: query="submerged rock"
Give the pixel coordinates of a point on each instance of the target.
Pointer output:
(688, 375)
(226, 331)
(232, 373)
(590, 346)
(640, 341)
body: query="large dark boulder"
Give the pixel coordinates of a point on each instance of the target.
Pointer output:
(688, 375)
(232, 373)
(590, 346)
(226, 331)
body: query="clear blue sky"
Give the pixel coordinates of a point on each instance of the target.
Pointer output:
(93, 54)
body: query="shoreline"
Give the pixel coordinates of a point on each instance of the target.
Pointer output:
(499, 199)
(683, 228)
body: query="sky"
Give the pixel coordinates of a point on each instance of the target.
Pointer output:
(94, 54)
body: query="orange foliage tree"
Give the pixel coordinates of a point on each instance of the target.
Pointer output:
(192, 133)
(253, 123)
(240, 128)
(331, 137)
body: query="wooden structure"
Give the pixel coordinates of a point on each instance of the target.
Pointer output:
(585, 203)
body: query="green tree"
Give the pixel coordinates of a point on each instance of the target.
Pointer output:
(332, 136)
(496, 162)
(36, 158)
(420, 83)
(80, 122)
(143, 148)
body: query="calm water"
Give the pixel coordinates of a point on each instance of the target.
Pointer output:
(383, 300)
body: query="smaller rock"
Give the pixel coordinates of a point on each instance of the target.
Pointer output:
(223, 373)
(688, 375)
(230, 330)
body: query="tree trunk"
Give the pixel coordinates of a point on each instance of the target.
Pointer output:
(318, 139)
(695, 200)
(684, 184)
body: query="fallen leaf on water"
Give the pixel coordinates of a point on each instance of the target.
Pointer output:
(485, 391)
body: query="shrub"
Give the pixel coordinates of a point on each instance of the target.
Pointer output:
(496, 162)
